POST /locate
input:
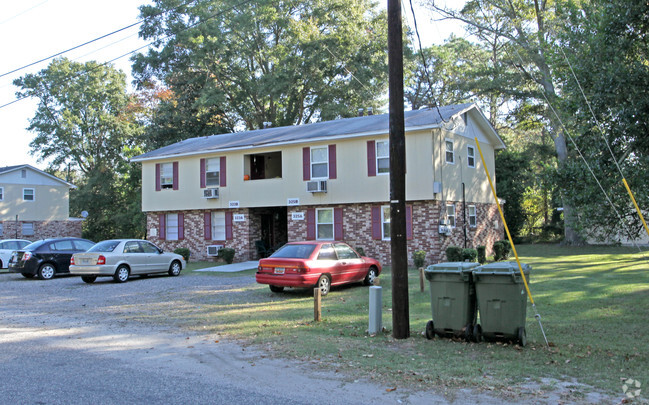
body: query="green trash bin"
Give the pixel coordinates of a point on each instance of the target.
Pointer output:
(502, 300)
(452, 299)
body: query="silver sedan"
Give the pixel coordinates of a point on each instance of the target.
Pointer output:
(122, 258)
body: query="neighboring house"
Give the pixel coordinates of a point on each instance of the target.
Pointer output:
(326, 181)
(34, 205)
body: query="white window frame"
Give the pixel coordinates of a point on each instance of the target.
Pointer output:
(33, 194)
(218, 225)
(447, 151)
(451, 216)
(166, 175)
(213, 165)
(171, 226)
(385, 221)
(325, 162)
(470, 156)
(319, 224)
(2, 193)
(387, 156)
(29, 230)
(473, 217)
(1, 229)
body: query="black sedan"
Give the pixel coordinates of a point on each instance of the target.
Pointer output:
(46, 258)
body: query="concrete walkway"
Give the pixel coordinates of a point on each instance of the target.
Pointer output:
(234, 267)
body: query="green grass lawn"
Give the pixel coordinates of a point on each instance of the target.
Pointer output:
(593, 301)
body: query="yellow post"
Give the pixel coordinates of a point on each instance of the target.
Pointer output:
(628, 189)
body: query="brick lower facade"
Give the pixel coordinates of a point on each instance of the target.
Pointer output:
(276, 225)
(42, 229)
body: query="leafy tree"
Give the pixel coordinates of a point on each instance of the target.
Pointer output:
(231, 64)
(84, 123)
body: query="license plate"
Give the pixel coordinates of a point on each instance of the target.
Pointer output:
(279, 270)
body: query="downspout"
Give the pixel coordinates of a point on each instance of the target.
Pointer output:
(464, 214)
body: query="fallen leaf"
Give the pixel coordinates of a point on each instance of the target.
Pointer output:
(391, 389)
(216, 341)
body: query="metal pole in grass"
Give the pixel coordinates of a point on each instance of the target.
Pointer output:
(511, 242)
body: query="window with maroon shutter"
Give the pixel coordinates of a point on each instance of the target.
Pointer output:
(332, 161)
(207, 225)
(338, 224)
(310, 224)
(228, 226)
(306, 163)
(371, 158)
(181, 226)
(162, 225)
(376, 223)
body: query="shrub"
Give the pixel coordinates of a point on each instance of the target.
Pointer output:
(469, 255)
(227, 254)
(184, 252)
(419, 258)
(360, 251)
(499, 251)
(482, 254)
(454, 254)
(507, 249)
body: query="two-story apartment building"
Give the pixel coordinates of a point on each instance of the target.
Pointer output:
(35, 205)
(326, 180)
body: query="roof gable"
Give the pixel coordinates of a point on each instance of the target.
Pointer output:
(11, 171)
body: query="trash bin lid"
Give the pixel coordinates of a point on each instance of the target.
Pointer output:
(452, 267)
(503, 267)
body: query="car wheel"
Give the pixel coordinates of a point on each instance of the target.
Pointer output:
(522, 336)
(430, 330)
(324, 284)
(28, 275)
(89, 279)
(372, 274)
(121, 274)
(174, 269)
(46, 271)
(276, 289)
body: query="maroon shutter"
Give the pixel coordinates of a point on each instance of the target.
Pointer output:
(207, 225)
(310, 224)
(203, 182)
(332, 161)
(338, 224)
(162, 225)
(222, 172)
(376, 223)
(228, 225)
(175, 184)
(306, 163)
(158, 186)
(409, 222)
(371, 159)
(181, 226)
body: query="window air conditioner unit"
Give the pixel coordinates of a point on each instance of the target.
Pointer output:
(444, 229)
(213, 250)
(316, 186)
(211, 193)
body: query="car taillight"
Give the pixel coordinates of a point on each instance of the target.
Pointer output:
(302, 269)
(27, 256)
(101, 259)
(72, 261)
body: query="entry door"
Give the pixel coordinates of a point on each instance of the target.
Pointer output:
(267, 226)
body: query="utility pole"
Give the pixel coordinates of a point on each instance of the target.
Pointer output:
(398, 243)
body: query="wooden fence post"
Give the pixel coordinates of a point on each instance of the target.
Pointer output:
(317, 305)
(421, 279)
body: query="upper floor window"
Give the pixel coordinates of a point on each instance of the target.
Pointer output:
(319, 163)
(382, 157)
(212, 172)
(29, 194)
(2, 193)
(472, 216)
(166, 175)
(450, 214)
(385, 222)
(470, 156)
(450, 152)
(325, 223)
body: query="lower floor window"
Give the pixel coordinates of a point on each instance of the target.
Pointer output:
(385, 222)
(218, 225)
(450, 214)
(325, 223)
(472, 216)
(172, 226)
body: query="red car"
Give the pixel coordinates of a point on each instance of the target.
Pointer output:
(316, 264)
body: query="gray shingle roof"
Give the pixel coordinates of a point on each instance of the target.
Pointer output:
(303, 133)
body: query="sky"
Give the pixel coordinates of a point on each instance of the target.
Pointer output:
(32, 30)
